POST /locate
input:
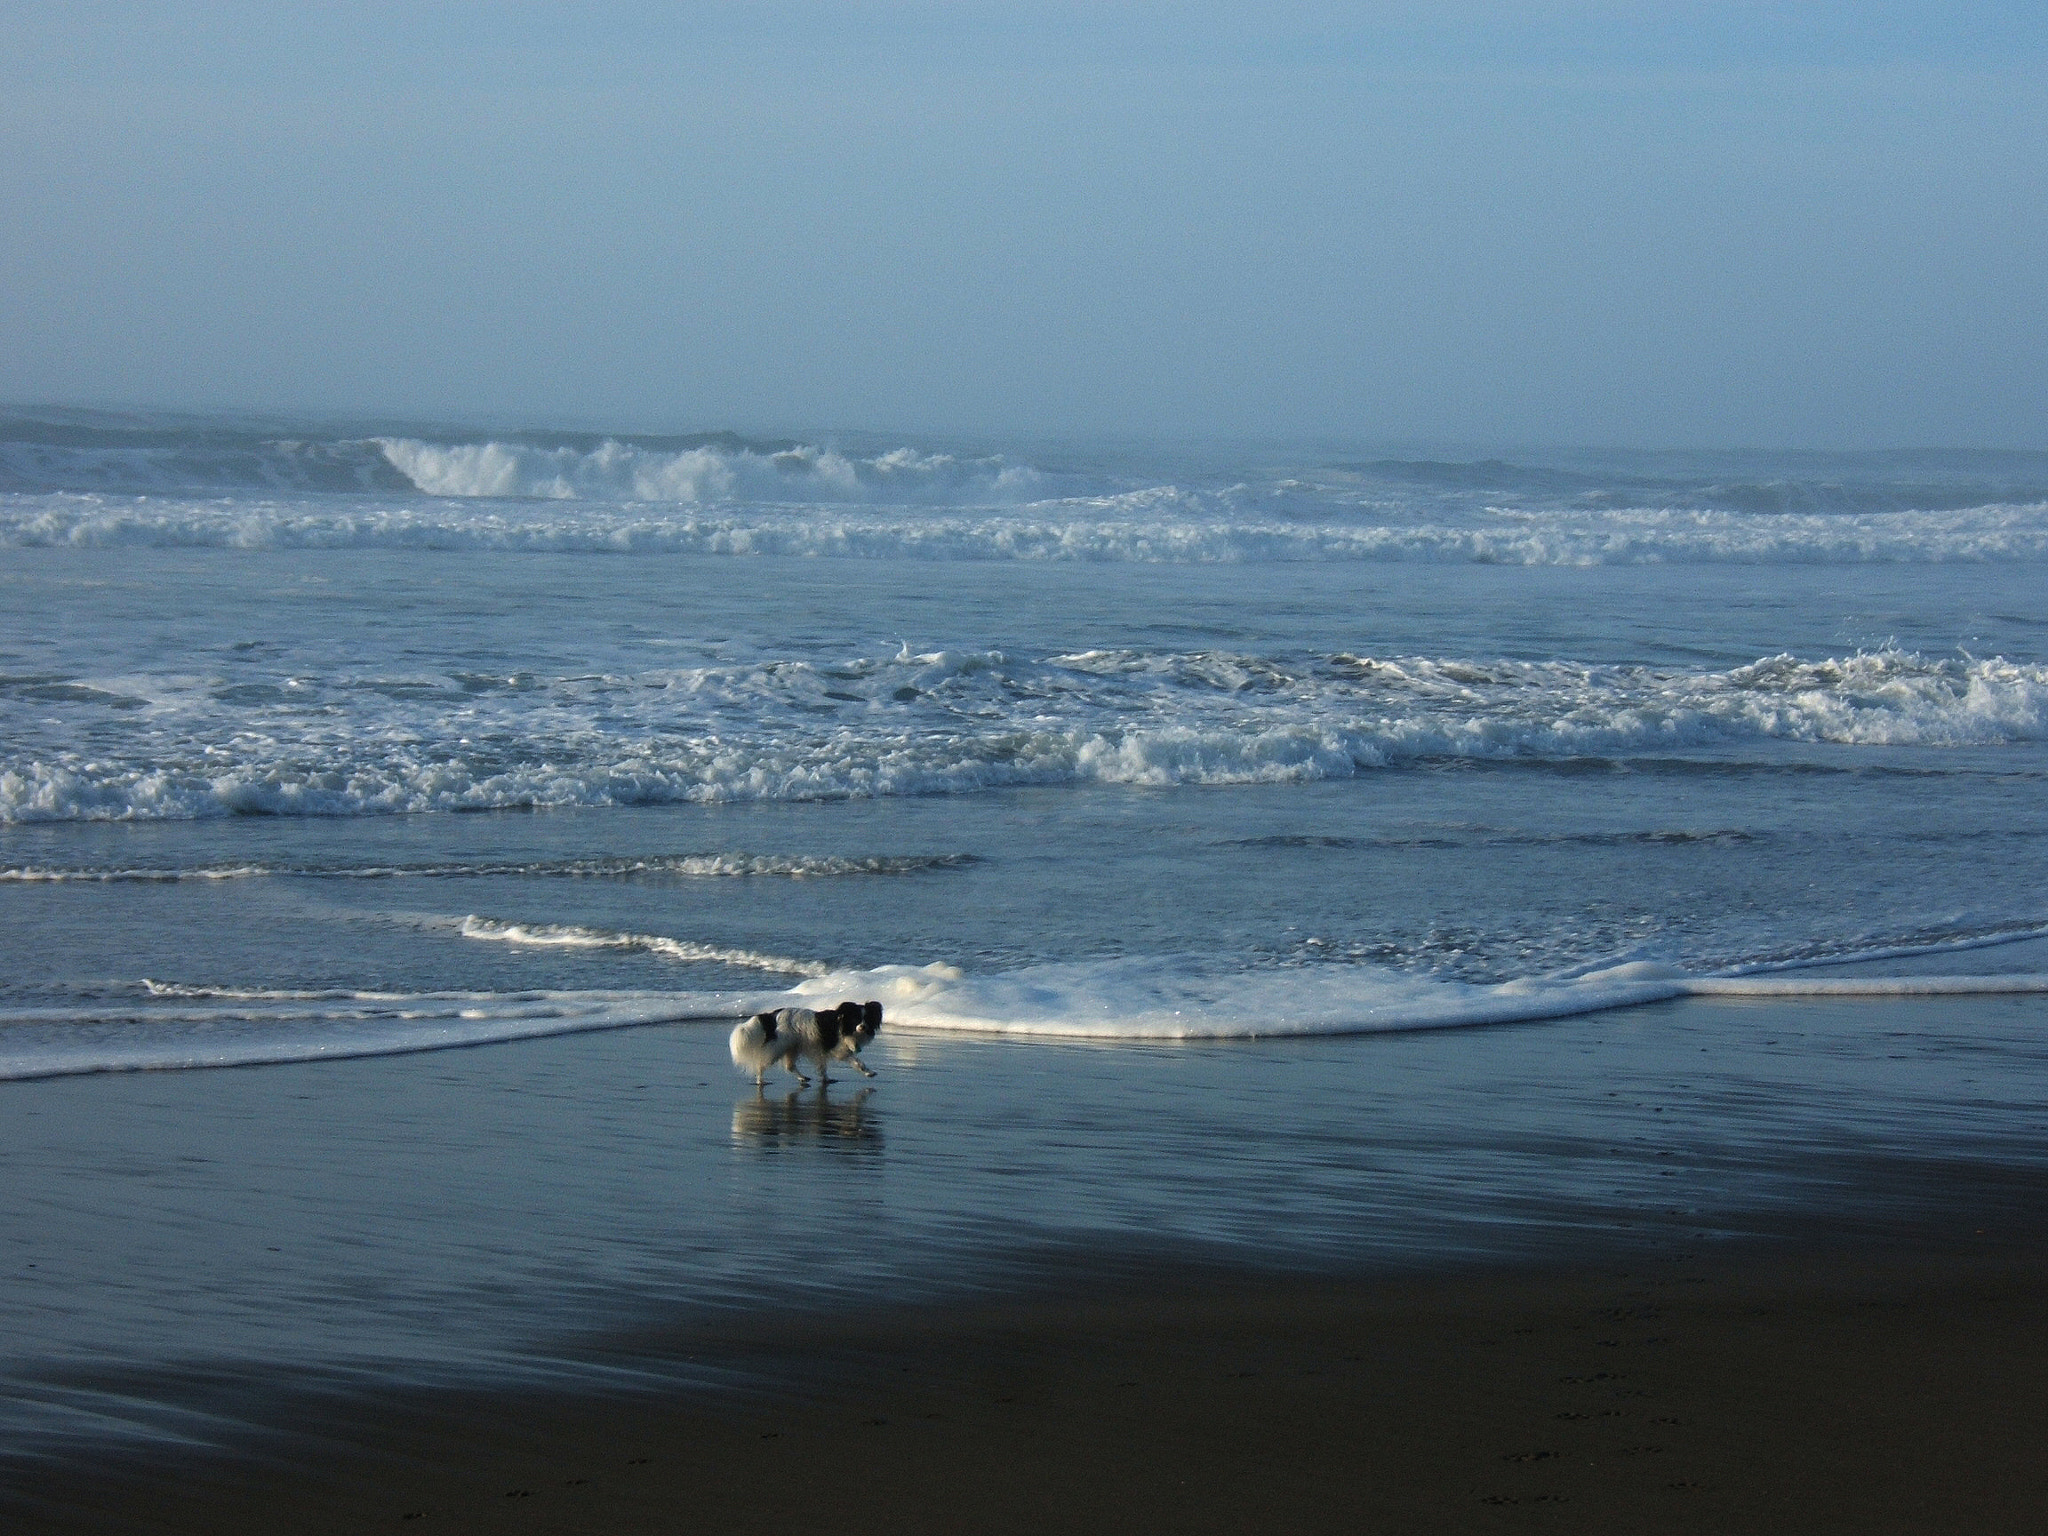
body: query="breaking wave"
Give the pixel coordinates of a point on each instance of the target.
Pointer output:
(84, 478)
(616, 471)
(948, 722)
(610, 471)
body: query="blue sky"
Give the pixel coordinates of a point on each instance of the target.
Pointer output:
(1784, 225)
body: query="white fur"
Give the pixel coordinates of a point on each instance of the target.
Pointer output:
(755, 1049)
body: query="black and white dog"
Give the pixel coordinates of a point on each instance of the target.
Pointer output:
(793, 1036)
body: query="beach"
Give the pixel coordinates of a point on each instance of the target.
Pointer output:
(1395, 656)
(1831, 1391)
(1072, 1284)
(1553, 929)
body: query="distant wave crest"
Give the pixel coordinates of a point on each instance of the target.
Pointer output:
(572, 936)
(677, 866)
(928, 516)
(608, 471)
(615, 471)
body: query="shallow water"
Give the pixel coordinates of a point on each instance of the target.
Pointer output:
(239, 702)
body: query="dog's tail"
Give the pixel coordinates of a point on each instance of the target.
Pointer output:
(753, 1043)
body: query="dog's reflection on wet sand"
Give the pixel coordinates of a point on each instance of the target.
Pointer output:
(765, 1121)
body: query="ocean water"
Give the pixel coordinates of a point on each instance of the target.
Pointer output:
(1103, 761)
(1041, 738)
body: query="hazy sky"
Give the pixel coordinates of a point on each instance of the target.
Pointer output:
(1652, 224)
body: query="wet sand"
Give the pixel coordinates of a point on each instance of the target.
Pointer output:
(1818, 1391)
(1703, 1266)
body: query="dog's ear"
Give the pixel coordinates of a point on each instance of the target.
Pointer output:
(871, 1015)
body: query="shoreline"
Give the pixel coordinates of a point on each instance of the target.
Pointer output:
(444, 1021)
(1124, 1283)
(1824, 1387)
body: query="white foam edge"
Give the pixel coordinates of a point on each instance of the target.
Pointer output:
(1893, 952)
(935, 999)
(430, 1022)
(1135, 1000)
(576, 936)
(941, 999)
(1866, 986)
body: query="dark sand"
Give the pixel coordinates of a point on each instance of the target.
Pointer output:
(1752, 1269)
(1845, 1389)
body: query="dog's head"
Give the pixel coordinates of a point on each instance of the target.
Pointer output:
(853, 1023)
(863, 1021)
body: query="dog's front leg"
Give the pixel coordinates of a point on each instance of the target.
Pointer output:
(864, 1072)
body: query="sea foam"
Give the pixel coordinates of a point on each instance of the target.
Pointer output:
(945, 722)
(1159, 1000)
(919, 516)
(189, 1027)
